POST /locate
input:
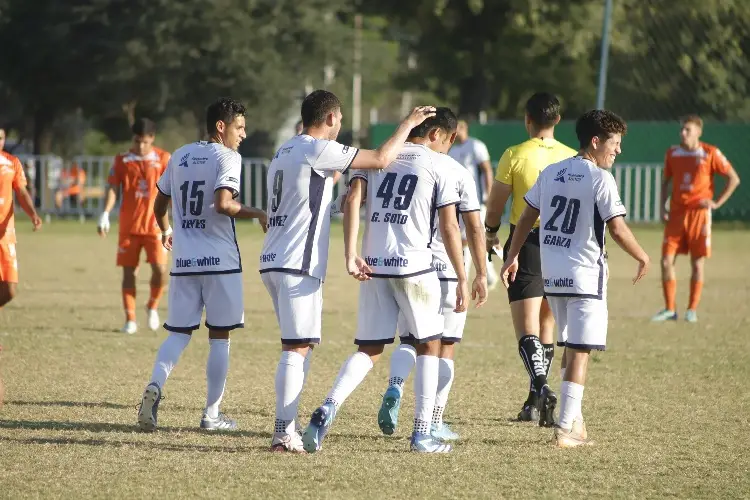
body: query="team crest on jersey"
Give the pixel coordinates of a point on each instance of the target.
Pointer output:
(560, 177)
(184, 160)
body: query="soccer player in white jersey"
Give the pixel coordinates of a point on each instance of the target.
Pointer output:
(202, 180)
(575, 199)
(405, 356)
(295, 252)
(397, 273)
(474, 156)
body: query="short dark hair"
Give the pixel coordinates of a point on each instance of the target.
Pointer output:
(543, 109)
(225, 109)
(143, 126)
(317, 105)
(444, 119)
(598, 123)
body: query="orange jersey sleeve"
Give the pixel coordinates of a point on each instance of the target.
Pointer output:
(115, 172)
(19, 180)
(719, 163)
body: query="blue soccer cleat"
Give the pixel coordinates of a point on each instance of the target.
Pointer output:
(443, 433)
(388, 414)
(664, 315)
(320, 423)
(425, 443)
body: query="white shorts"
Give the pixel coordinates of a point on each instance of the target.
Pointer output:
(298, 302)
(221, 294)
(381, 300)
(581, 322)
(453, 329)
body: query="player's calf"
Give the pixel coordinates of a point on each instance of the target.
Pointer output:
(7, 292)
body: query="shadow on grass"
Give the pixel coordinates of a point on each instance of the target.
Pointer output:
(156, 446)
(114, 427)
(83, 404)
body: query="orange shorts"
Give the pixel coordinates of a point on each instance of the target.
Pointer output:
(8, 263)
(130, 246)
(688, 231)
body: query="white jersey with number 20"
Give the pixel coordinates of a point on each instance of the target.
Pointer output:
(575, 199)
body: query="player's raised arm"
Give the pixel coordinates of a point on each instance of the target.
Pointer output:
(383, 156)
(355, 266)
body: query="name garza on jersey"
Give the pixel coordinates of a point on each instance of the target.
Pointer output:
(558, 241)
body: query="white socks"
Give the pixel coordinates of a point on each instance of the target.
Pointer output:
(352, 373)
(570, 404)
(402, 362)
(217, 367)
(167, 357)
(425, 388)
(290, 378)
(308, 361)
(445, 381)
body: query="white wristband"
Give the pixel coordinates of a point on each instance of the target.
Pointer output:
(167, 232)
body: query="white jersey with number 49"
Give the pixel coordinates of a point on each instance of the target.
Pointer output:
(575, 199)
(204, 241)
(300, 190)
(401, 208)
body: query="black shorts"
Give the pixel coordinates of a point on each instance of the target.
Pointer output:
(529, 282)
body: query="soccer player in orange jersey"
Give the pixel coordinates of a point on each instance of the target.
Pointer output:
(690, 167)
(135, 173)
(12, 179)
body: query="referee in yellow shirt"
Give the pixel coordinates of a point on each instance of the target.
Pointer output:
(533, 322)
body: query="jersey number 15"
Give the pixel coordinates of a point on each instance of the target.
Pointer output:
(195, 198)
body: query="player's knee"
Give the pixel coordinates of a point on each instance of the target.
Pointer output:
(431, 348)
(218, 334)
(372, 350)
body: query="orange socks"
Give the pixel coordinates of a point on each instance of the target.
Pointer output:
(128, 302)
(696, 287)
(156, 292)
(670, 291)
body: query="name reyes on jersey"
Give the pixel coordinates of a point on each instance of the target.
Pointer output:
(277, 220)
(194, 224)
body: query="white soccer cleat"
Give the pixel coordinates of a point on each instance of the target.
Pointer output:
(130, 327)
(153, 319)
(290, 443)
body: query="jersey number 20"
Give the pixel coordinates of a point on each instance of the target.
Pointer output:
(405, 190)
(571, 207)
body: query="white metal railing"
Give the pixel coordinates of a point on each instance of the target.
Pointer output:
(639, 184)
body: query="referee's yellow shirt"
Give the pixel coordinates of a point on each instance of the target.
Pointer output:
(521, 164)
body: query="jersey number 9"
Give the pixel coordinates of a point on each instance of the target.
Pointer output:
(278, 181)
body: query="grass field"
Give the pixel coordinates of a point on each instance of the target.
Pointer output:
(667, 404)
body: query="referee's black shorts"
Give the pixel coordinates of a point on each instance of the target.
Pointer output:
(529, 282)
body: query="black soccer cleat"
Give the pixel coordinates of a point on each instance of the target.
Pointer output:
(529, 413)
(546, 407)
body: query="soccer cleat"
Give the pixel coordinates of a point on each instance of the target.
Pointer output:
(443, 433)
(130, 327)
(291, 443)
(529, 413)
(320, 423)
(220, 423)
(691, 316)
(425, 443)
(665, 315)
(388, 414)
(546, 404)
(153, 319)
(576, 436)
(147, 413)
